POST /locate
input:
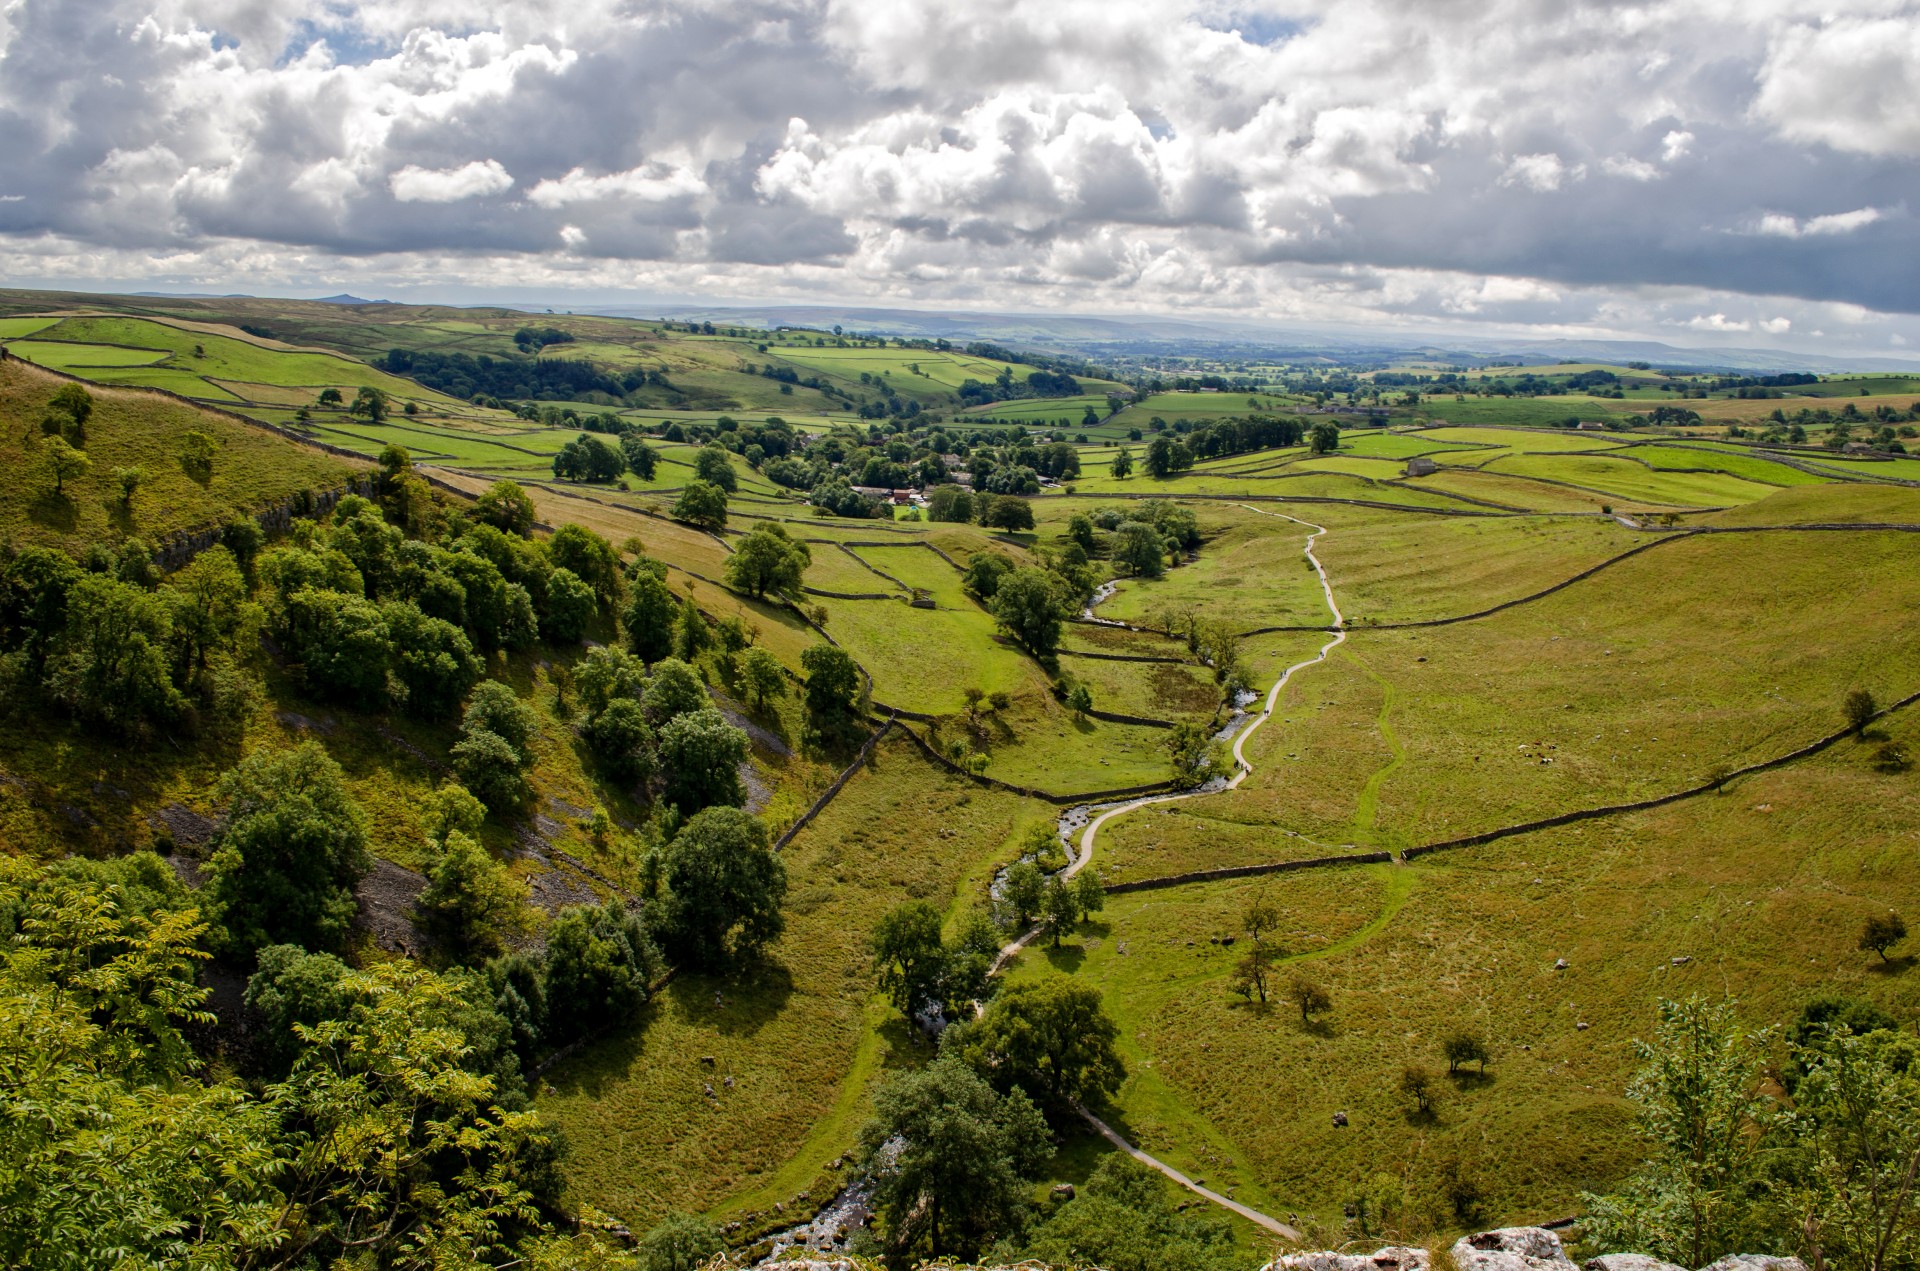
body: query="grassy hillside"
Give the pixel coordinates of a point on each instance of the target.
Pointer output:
(251, 470)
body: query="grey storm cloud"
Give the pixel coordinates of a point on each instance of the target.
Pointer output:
(1535, 159)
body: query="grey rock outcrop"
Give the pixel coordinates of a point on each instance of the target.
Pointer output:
(1391, 1258)
(1512, 1249)
(1628, 1262)
(1755, 1262)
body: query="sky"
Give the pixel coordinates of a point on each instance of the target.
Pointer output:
(1694, 171)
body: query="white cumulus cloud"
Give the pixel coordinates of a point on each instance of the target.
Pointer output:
(413, 184)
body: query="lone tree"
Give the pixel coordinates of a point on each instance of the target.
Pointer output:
(762, 676)
(1051, 1038)
(832, 690)
(767, 559)
(1882, 932)
(1464, 1048)
(64, 463)
(1417, 1083)
(1122, 466)
(725, 888)
(1310, 997)
(908, 959)
(1324, 439)
(703, 504)
(1026, 604)
(1859, 709)
(959, 1159)
(1256, 968)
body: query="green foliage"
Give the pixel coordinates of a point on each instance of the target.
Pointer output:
(949, 503)
(284, 868)
(691, 636)
(714, 467)
(622, 742)
(1881, 932)
(489, 766)
(62, 462)
(506, 507)
(1852, 1151)
(206, 598)
(110, 664)
(1693, 1200)
(832, 689)
(679, 1242)
(472, 903)
(1190, 751)
(591, 558)
(589, 458)
(1004, 512)
(1025, 892)
(1122, 465)
(432, 661)
(1139, 549)
(1051, 1038)
(767, 560)
(1464, 1048)
(598, 964)
(643, 459)
(674, 689)
(984, 572)
(1027, 604)
(571, 606)
(495, 708)
(649, 617)
(701, 754)
(965, 1156)
(725, 887)
(1123, 1218)
(341, 643)
(291, 986)
(909, 960)
(762, 676)
(1324, 438)
(703, 504)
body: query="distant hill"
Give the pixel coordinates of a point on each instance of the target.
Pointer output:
(1097, 336)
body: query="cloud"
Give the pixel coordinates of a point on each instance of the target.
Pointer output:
(1778, 225)
(413, 184)
(1845, 81)
(1508, 160)
(1540, 172)
(637, 185)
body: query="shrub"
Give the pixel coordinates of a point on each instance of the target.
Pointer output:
(599, 962)
(622, 742)
(472, 902)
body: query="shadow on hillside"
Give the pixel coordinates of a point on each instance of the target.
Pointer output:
(733, 1006)
(55, 511)
(1893, 966)
(1467, 1079)
(1067, 958)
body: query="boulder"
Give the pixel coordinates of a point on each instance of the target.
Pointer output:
(1627, 1262)
(1511, 1249)
(1755, 1262)
(1391, 1258)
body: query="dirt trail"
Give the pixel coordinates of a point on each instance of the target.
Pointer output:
(1242, 769)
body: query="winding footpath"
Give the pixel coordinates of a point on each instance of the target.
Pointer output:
(1242, 770)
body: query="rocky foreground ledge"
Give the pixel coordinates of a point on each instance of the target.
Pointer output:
(1513, 1249)
(1505, 1249)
